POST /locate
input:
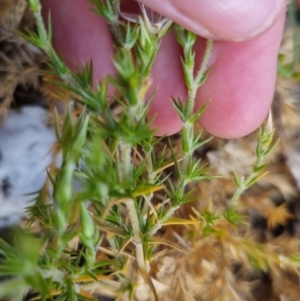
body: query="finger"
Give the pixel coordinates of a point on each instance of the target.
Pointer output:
(167, 73)
(241, 83)
(80, 35)
(231, 20)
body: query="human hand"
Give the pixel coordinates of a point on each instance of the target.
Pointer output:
(242, 80)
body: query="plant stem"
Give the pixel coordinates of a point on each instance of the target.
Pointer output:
(151, 177)
(125, 159)
(137, 237)
(41, 29)
(263, 149)
(46, 45)
(197, 81)
(188, 127)
(241, 190)
(236, 196)
(160, 223)
(133, 217)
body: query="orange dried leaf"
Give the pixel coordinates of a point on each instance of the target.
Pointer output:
(278, 216)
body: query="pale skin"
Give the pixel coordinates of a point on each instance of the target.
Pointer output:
(246, 36)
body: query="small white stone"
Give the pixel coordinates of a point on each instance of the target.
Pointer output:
(25, 143)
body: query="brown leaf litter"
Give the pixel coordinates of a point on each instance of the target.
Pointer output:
(19, 60)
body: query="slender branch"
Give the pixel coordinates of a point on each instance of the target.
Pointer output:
(160, 223)
(137, 237)
(126, 166)
(151, 177)
(188, 127)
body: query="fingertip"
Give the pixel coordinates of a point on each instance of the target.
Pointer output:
(231, 20)
(241, 83)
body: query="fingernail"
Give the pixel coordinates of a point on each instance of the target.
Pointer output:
(131, 10)
(233, 20)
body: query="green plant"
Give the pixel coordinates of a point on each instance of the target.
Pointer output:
(127, 193)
